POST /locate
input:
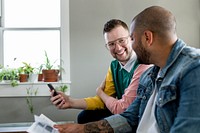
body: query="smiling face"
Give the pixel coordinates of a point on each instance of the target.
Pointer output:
(121, 52)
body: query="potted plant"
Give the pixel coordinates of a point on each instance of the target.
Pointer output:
(24, 72)
(62, 88)
(33, 76)
(40, 75)
(9, 75)
(50, 73)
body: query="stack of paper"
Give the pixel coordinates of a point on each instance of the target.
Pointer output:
(42, 124)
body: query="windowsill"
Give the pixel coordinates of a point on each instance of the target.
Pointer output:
(14, 127)
(6, 90)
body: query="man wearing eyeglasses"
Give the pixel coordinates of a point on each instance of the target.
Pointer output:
(118, 90)
(168, 93)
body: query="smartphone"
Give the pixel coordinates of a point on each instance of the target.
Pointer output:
(55, 92)
(52, 88)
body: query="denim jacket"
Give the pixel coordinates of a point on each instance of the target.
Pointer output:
(178, 101)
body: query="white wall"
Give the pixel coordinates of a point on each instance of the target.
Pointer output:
(89, 58)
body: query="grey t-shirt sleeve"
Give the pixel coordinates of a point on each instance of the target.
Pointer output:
(119, 124)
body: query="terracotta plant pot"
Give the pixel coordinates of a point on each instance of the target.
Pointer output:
(40, 77)
(50, 75)
(23, 77)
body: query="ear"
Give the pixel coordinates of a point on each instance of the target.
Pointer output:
(148, 37)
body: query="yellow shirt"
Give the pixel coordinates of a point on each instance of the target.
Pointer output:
(95, 102)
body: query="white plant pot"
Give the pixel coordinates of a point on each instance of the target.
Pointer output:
(33, 78)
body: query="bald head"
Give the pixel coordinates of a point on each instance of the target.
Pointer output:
(153, 32)
(156, 19)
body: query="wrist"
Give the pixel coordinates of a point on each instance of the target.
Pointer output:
(71, 102)
(99, 92)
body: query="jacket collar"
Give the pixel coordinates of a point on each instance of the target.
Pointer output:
(175, 52)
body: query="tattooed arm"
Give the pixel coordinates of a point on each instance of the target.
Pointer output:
(98, 126)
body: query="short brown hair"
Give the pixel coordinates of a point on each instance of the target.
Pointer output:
(113, 23)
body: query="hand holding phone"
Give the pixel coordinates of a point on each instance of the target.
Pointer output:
(55, 92)
(52, 88)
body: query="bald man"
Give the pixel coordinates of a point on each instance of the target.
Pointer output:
(168, 96)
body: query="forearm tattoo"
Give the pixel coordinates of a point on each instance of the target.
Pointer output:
(101, 126)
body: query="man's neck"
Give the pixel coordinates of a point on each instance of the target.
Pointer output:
(129, 64)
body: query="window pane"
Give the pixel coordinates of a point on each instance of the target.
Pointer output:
(32, 13)
(29, 46)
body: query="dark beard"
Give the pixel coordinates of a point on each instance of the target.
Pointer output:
(142, 54)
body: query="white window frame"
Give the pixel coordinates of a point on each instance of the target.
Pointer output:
(64, 42)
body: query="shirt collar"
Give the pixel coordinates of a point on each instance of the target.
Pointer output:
(128, 66)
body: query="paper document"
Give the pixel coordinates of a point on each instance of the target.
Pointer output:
(42, 124)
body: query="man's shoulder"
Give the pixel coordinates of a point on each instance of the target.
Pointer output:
(147, 72)
(144, 66)
(191, 52)
(114, 63)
